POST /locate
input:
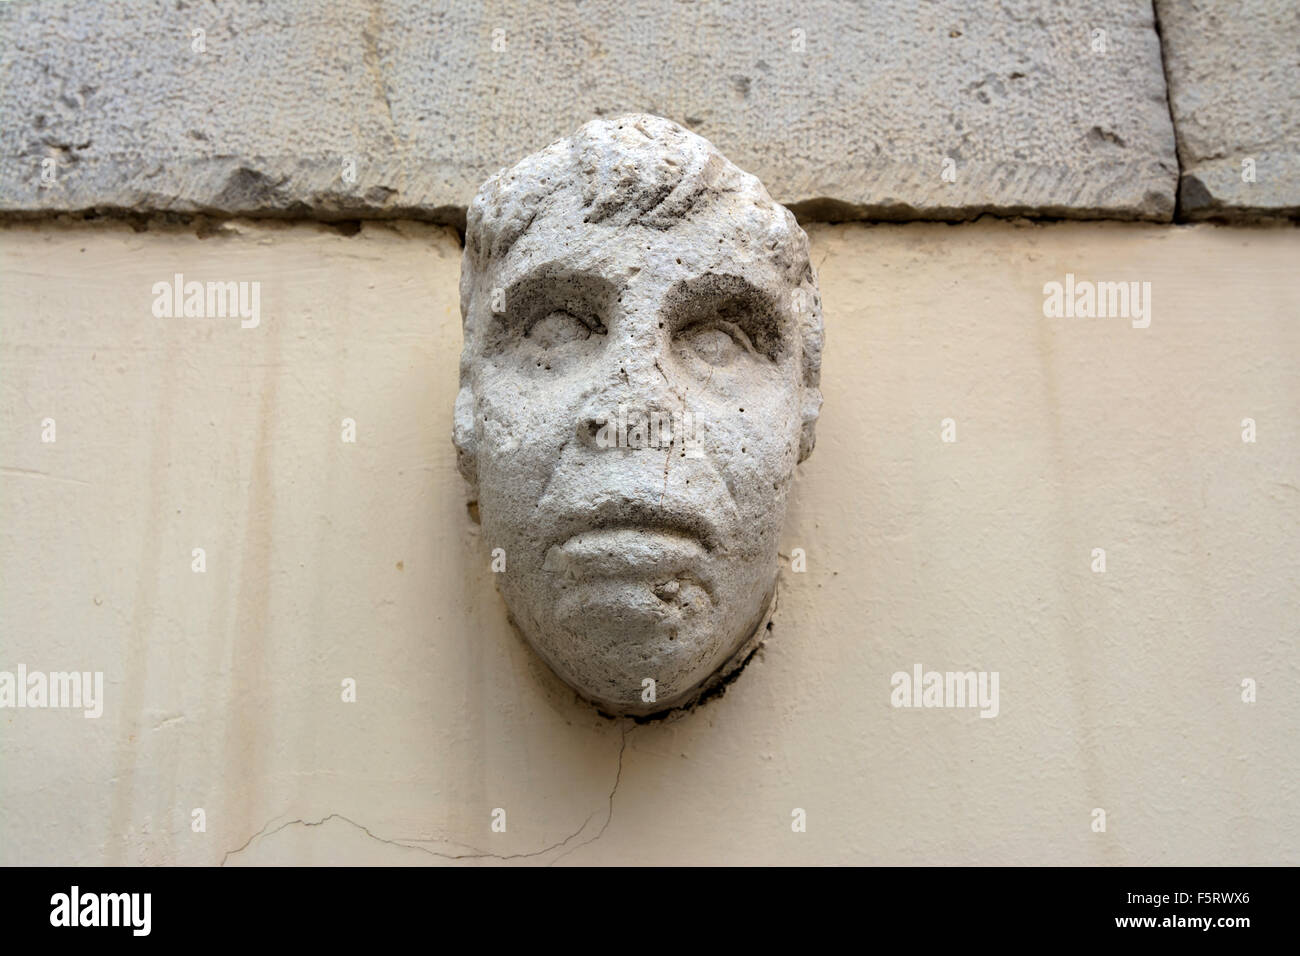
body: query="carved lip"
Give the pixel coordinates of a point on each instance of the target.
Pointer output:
(668, 519)
(632, 551)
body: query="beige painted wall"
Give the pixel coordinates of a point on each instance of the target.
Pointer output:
(328, 560)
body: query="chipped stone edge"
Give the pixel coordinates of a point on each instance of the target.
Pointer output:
(311, 188)
(1214, 191)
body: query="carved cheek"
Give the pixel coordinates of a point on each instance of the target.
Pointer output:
(523, 428)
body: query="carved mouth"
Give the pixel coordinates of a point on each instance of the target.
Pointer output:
(657, 556)
(611, 515)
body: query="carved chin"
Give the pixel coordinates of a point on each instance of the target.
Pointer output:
(605, 636)
(633, 612)
(608, 609)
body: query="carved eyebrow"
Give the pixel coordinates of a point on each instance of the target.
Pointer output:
(556, 274)
(550, 287)
(731, 298)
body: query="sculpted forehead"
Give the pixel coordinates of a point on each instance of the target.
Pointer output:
(634, 174)
(734, 245)
(648, 258)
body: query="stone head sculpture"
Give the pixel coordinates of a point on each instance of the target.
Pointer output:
(639, 379)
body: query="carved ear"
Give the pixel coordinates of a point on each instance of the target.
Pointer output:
(464, 432)
(812, 406)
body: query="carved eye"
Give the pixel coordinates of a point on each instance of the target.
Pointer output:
(718, 343)
(557, 328)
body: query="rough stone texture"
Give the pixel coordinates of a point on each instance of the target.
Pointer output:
(643, 342)
(1234, 88)
(328, 560)
(842, 109)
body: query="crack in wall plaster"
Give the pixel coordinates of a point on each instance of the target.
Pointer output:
(30, 473)
(413, 844)
(609, 817)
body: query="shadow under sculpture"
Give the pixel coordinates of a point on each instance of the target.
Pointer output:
(639, 379)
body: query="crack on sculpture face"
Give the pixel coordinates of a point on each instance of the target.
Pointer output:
(639, 380)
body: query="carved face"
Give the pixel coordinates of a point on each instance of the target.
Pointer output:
(633, 402)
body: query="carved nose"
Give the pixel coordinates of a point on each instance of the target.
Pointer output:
(589, 427)
(629, 425)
